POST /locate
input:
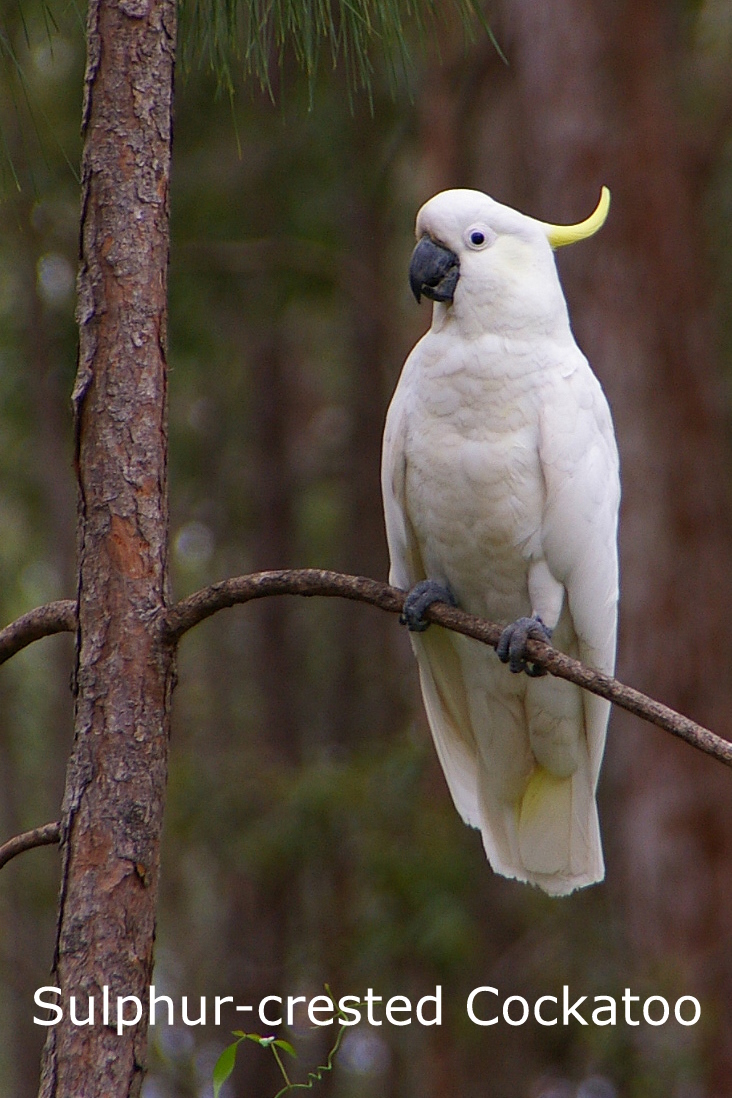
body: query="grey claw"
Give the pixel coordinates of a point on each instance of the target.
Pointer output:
(511, 647)
(422, 595)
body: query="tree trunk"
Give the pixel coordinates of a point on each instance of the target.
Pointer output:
(115, 789)
(643, 313)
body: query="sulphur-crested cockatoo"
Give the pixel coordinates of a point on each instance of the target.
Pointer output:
(501, 494)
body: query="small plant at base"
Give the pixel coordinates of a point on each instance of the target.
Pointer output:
(225, 1064)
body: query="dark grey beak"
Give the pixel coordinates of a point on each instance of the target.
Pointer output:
(434, 271)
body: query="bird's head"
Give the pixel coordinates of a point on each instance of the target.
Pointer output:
(491, 265)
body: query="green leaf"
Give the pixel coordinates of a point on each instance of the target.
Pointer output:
(286, 1046)
(224, 1067)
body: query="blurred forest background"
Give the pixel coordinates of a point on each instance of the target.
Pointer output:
(310, 836)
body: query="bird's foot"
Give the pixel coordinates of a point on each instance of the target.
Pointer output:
(511, 647)
(422, 595)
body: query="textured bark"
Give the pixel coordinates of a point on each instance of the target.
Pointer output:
(115, 789)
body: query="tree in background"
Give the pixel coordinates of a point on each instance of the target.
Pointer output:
(310, 836)
(589, 97)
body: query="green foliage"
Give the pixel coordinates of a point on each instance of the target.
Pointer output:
(38, 46)
(227, 1060)
(258, 34)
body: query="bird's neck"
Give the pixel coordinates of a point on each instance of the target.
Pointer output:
(469, 323)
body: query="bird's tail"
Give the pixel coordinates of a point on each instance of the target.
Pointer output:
(551, 837)
(544, 829)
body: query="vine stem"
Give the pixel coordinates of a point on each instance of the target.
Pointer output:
(281, 1066)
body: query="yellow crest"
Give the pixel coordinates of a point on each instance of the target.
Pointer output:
(559, 235)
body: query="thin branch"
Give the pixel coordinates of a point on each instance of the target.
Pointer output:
(54, 617)
(39, 836)
(312, 581)
(297, 581)
(57, 617)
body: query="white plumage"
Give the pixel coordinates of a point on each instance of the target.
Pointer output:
(500, 483)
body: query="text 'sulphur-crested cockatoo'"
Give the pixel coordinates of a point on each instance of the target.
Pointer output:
(501, 494)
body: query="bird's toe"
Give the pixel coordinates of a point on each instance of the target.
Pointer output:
(511, 647)
(418, 599)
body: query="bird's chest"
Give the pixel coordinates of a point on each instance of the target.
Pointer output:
(474, 487)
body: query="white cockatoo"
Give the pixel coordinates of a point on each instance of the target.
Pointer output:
(501, 496)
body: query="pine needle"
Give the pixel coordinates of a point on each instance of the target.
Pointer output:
(254, 36)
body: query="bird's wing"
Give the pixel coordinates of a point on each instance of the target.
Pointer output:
(579, 529)
(407, 567)
(443, 687)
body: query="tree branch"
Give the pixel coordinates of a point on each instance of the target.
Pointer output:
(54, 617)
(57, 617)
(312, 581)
(296, 581)
(39, 836)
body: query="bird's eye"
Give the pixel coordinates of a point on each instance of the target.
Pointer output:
(479, 236)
